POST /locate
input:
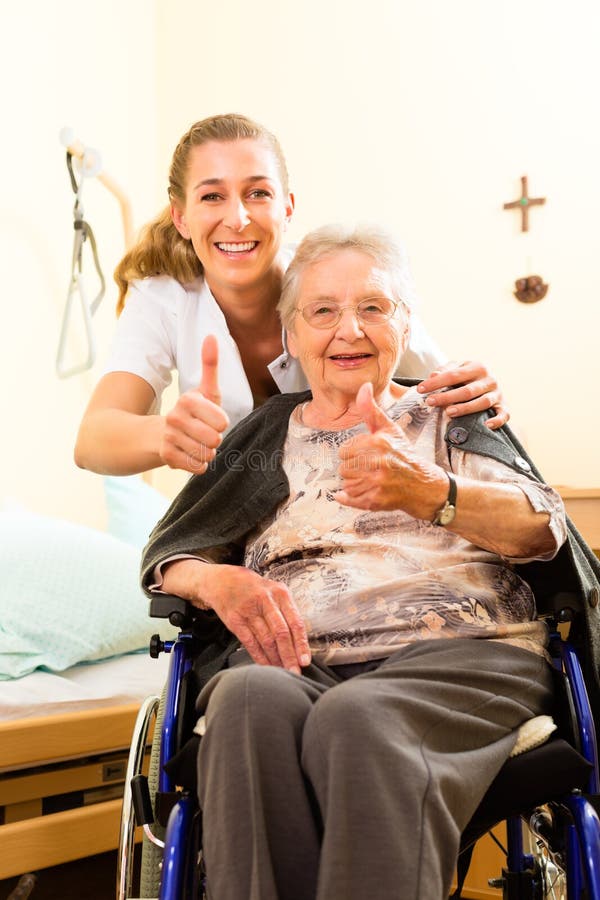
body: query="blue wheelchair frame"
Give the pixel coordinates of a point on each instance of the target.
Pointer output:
(581, 824)
(176, 877)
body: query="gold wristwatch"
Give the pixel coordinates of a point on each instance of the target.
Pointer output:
(446, 513)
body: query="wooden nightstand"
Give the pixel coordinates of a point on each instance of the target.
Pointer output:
(583, 506)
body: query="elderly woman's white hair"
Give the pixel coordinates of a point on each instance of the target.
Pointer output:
(387, 253)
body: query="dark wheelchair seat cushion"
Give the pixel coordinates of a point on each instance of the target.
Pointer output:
(531, 779)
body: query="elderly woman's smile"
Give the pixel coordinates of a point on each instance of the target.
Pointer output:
(349, 360)
(347, 328)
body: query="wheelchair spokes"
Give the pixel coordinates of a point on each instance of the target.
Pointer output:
(548, 861)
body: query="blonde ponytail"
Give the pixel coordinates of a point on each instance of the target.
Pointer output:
(160, 250)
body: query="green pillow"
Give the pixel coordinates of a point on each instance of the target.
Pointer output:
(133, 507)
(68, 594)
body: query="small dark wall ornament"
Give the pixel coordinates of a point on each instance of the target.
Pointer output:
(530, 289)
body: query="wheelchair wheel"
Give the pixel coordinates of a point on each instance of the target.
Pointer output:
(125, 858)
(151, 854)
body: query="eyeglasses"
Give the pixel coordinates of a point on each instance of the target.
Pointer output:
(325, 313)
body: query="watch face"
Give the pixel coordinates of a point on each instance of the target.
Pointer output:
(446, 514)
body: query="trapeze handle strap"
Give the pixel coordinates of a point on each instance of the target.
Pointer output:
(89, 165)
(98, 298)
(76, 291)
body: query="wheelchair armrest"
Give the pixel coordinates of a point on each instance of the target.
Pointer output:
(178, 611)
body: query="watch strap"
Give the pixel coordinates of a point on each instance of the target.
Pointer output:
(446, 513)
(451, 501)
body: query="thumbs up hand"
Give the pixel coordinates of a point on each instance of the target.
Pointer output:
(194, 428)
(381, 471)
(373, 416)
(209, 383)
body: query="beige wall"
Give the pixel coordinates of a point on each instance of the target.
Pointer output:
(422, 115)
(90, 66)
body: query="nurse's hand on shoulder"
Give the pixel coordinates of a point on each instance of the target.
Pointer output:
(194, 427)
(464, 388)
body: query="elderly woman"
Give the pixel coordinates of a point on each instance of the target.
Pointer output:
(367, 565)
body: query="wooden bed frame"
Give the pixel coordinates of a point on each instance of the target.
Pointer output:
(583, 506)
(74, 763)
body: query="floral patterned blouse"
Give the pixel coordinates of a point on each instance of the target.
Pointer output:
(366, 583)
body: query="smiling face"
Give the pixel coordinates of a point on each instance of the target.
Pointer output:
(339, 359)
(235, 212)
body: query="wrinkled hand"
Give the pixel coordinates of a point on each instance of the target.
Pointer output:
(262, 614)
(381, 471)
(194, 427)
(474, 389)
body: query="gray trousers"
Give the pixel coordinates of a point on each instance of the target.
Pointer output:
(318, 788)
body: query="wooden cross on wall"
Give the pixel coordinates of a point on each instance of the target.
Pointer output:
(524, 203)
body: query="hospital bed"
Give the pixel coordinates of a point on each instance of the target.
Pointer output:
(71, 614)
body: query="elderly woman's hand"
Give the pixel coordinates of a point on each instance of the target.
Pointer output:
(472, 389)
(262, 614)
(194, 427)
(380, 470)
(259, 611)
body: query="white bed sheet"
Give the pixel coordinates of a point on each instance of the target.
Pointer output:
(120, 680)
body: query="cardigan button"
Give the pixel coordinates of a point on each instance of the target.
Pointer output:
(457, 434)
(594, 597)
(522, 464)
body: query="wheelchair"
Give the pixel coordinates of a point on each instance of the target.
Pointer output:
(549, 796)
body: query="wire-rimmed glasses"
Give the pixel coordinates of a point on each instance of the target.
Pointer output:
(327, 313)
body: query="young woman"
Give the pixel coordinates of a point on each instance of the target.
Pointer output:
(211, 265)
